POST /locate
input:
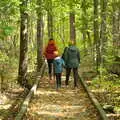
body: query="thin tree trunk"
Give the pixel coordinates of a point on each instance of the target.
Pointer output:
(116, 36)
(63, 31)
(90, 43)
(50, 19)
(96, 35)
(103, 32)
(72, 27)
(23, 60)
(119, 30)
(84, 25)
(116, 27)
(2, 79)
(40, 31)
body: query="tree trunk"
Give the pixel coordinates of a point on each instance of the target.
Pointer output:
(84, 25)
(23, 60)
(103, 32)
(40, 30)
(63, 31)
(96, 35)
(72, 26)
(116, 27)
(50, 19)
(115, 68)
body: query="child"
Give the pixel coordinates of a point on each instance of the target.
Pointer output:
(58, 64)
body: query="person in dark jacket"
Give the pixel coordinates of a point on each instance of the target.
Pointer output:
(58, 65)
(49, 54)
(72, 61)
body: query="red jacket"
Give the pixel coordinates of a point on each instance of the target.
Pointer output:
(49, 51)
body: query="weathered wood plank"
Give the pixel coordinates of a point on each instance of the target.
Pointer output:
(29, 96)
(94, 100)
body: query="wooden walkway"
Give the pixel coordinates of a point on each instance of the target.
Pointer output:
(64, 104)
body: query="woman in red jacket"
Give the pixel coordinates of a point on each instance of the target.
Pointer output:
(49, 54)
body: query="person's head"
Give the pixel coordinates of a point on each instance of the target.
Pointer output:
(71, 42)
(51, 41)
(56, 53)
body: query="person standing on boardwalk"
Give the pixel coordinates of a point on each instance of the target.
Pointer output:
(58, 65)
(72, 61)
(49, 55)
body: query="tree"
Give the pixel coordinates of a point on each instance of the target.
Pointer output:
(84, 23)
(23, 60)
(72, 23)
(50, 19)
(116, 26)
(96, 34)
(103, 31)
(40, 31)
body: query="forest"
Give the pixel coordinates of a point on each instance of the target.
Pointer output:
(27, 25)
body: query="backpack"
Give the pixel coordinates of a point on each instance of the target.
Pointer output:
(64, 54)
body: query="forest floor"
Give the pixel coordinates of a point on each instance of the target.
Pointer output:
(107, 93)
(66, 103)
(106, 89)
(10, 102)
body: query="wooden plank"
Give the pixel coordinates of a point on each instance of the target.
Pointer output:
(29, 96)
(94, 101)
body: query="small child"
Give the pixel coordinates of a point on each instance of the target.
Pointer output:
(58, 66)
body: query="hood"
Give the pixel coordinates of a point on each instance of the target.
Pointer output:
(72, 48)
(57, 58)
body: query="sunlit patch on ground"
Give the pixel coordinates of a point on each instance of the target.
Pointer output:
(5, 106)
(44, 92)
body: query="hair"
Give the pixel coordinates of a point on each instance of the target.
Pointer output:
(71, 42)
(51, 39)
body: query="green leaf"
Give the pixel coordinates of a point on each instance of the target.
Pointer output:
(8, 30)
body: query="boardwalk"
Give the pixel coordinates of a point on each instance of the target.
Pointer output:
(65, 104)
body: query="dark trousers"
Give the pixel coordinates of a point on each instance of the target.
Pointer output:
(58, 79)
(75, 75)
(50, 67)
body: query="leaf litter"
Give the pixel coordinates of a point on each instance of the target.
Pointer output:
(63, 104)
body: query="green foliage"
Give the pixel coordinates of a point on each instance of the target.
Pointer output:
(9, 8)
(4, 61)
(7, 30)
(10, 20)
(108, 87)
(106, 81)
